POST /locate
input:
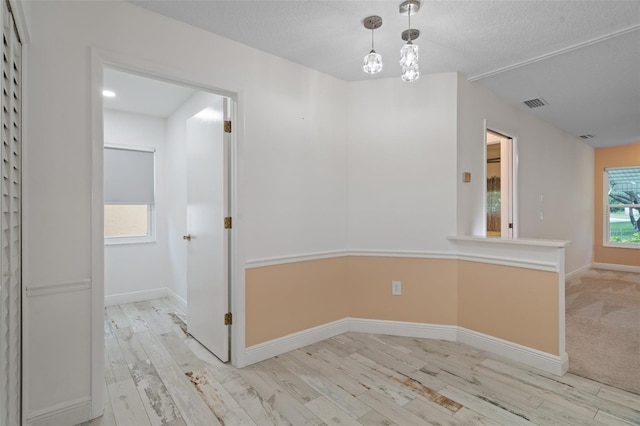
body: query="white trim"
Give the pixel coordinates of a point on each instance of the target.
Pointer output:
(517, 263)
(70, 413)
(405, 329)
(404, 253)
(42, 289)
(266, 350)
(512, 241)
(236, 253)
(556, 53)
(544, 361)
(632, 246)
(98, 390)
(140, 296)
(550, 363)
(126, 241)
(135, 296)
(616, 267)
(178, 300)
(496, 260)
(272, 261)
(130, 147)
(577, 272)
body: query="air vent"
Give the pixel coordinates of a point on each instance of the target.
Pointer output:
(535, 103)
(587, 136)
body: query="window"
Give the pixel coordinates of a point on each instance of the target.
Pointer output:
(129, 195)
(622, 201)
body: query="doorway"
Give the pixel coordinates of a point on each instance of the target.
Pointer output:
(160, 123)
(499, 189)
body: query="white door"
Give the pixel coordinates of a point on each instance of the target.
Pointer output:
(207, 239)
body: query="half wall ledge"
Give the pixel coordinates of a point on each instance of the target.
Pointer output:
(525, 254)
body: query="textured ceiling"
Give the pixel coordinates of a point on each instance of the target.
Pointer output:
(583, 57)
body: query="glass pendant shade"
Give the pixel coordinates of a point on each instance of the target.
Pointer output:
(372, 63)
(409, 55)
(411, 73)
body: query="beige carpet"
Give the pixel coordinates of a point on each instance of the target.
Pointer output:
(603, 328)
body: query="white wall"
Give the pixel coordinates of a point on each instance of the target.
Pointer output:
(291, 158)
(305, 177)
(402, 156)
(131, 268)
(551, 163)
(176, 144)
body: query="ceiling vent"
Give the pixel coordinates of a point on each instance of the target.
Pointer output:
(587, 136)
(535, 103)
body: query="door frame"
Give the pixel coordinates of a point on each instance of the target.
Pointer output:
(101, 58)
(513, 184)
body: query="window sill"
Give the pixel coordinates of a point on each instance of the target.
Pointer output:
(117, 241)
(635, 246)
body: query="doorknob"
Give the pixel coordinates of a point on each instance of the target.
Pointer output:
(187, 237)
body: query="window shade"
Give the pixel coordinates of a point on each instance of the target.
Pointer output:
(128, 176)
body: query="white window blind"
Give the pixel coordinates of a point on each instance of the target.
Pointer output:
(11, 216)
(129, 176)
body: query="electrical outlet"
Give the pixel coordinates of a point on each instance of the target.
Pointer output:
(396, 288)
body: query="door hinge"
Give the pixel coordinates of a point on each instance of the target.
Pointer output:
(227, 126)
(511, 226)
(227, 222)
(228, 318)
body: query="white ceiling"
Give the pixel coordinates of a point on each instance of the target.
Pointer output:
(582, 57)
(143, 95)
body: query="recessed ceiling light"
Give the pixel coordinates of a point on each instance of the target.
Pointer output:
(108, 94)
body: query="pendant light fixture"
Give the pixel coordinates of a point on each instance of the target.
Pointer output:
(372, 61)
(409, 52)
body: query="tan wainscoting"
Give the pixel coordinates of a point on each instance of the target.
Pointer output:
(284, 299)
(515, 304)
(429, 290)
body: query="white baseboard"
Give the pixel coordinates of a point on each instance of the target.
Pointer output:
(71, 413)
(553, 364)
(266, 350)
(135, 296)
(544, 361)
(405, 329)
(178, 300)
(616, 267)
(578, 271)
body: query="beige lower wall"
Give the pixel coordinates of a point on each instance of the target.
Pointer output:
(429, 290)
(515, 304)
(284, 299)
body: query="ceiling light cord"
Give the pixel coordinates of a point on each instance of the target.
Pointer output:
(409, 13)
(372, 39)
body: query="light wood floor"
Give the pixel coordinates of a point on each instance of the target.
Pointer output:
(156, 374)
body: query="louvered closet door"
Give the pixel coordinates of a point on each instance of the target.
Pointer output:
(10, 208)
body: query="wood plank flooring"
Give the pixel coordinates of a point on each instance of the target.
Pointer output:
(157, 375)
